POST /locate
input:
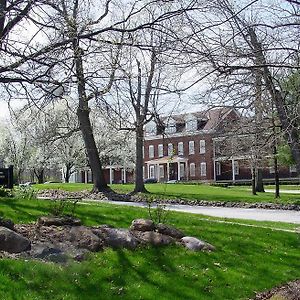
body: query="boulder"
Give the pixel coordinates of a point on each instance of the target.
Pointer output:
(195, 244)
(7, 223)
(84, 237)
(169, 230)
(153, 238)
(58, 221)
(116, 238)
(142, 225)
(12, 242)
(49, 253)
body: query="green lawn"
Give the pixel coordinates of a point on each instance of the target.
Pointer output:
(188, 192)
(247, 259)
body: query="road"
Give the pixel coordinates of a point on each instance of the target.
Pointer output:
(286, 216)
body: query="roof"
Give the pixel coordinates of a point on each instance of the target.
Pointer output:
(212, 116)
(164, 160)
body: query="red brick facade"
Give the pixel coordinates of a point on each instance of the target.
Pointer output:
(190, 160)
(190, 157)
(201, 164)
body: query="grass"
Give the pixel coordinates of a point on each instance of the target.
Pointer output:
(188, 192)
(247, 259)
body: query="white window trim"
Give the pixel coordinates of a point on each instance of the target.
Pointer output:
(192, 169)
(191, 125)
(180, 148)
(203, 170)
(161, 171)
(182, 170)
(202, 146)
(236, 168)
(218, 168)
(151, 151)
(152, 171)
(191, 147)
(170, 149)
(160, 150)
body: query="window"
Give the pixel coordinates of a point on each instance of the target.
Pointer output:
(161, 172)
(150, 129)
(293, 169)
(192, 170)
(151, 151)
(217, 148)
(181, 168)
(271, 170)
(202, 146)
(203, 169)
(218, 168)
(171, 126)
(236, 168)
(152, 172)
(160, 150)
(191, 125)
(170, 129)
(191, 147)
(180, 148)
(170, 150)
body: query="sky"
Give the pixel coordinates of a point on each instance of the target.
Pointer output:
(4, 112)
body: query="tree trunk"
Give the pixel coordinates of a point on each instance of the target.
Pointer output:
(139, 178)
(253, 181)
(92, 151)
(276, 173)
(40, 175)
(83, 113)
(259, 184)
(67, 173)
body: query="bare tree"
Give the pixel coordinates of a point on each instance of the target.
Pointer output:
(247, 38)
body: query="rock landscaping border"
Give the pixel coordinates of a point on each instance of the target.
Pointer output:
(59, 239)
(112, 196)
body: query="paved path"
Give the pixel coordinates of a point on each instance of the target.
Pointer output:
(283, 191)
(273, 215)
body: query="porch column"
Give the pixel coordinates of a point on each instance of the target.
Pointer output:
(215, 171)
(148, 171)
(157, 172)
(168, 171)
(110, 174)
(124, 174)
(178, 170)
(187, 171)
(86, 176)
(233, 170)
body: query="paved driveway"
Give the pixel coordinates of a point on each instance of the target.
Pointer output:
(274, 215)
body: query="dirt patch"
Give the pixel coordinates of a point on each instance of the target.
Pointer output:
(289, 291)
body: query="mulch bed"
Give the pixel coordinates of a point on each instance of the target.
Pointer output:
(289, 291)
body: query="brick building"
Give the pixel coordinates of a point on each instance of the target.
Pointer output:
(185, 151)
(185, 148)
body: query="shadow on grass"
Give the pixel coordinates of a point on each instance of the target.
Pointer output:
(23, 210)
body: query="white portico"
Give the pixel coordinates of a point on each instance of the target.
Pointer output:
(166, 168)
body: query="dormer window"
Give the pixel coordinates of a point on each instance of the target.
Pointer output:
(171, 126)
(191, 123)
(150, 128)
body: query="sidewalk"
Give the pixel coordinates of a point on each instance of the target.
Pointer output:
(286, 216)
